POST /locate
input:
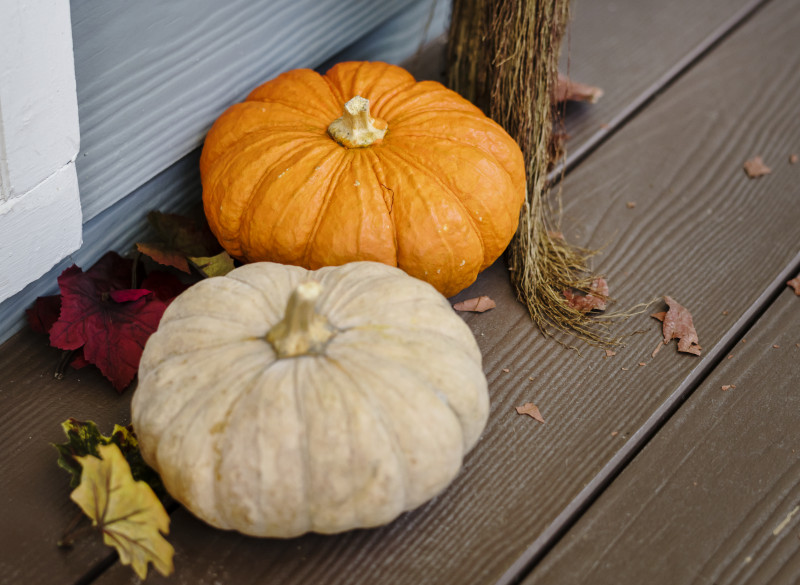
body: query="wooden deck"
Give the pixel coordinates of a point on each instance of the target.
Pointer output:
(646, 471)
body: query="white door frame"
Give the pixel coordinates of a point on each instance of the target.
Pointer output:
(40, 214)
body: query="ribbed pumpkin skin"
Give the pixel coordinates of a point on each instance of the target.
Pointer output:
(375, 425)
(439, 196)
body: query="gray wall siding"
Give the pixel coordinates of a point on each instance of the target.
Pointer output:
(138, 122)
(153, 75)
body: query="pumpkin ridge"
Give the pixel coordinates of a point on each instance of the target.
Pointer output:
(246, 214)
(376, 373)
(378, 411)
(420, 166)
(376, 169)
(304, 442)
(290, 105)
(217, 194)
(344, 163)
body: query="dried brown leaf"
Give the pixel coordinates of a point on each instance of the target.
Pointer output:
(610, 353)
(660, 315)
(755, 167)
(594, 300)
(678, 324)
(795, 284)
(793, 158)
(476, 305)
(531, 410)
(568, 90)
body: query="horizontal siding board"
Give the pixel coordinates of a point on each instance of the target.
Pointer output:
(152, 76)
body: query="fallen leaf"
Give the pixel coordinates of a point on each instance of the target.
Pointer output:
(476, 305)
(642, 364)
(793, 158)
(531, 410)
(111, 334)
(44, 313)
(727, 387)
(84, 438)
(755, 167)
(678, 324)
(614, 433)
(610, 353)
(631, 204)
(568, 90)
(795, 284)
(594, 299)
(179, 238)
(660, 315)
(127, 511)
(656, 350)
(126, 296)
(776, 346)
(506, 370)
(210, 266)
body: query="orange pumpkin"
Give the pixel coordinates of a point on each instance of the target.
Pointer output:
(363, 163)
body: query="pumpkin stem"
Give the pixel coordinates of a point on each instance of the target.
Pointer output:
(302, 331)
(356, 128)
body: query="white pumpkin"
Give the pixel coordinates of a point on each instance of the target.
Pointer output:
(277, 400)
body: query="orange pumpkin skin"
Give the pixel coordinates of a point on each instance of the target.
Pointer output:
(439, 195)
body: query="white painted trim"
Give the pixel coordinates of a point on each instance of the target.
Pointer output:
(39, 140)
(38, 229)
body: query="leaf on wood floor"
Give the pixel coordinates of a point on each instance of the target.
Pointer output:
(678, 324)
(44, 313)
(84, 438)
(179, 238)
(793, 158)
(210, 266)
(594, 300)
(476, 305)
(127, 511)
(795, 284)
(755, 167)
(531, 410)
(568, 90)
(111, 334)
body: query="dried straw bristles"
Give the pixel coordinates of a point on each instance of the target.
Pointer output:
(503, 56)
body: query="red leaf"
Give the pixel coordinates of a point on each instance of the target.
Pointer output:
(44, 313)
(678, 324)
(595, 299)
(131, 294)
(111, 334)
(165, 286)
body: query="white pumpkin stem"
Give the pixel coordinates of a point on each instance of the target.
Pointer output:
(356, 128)
(302, 331)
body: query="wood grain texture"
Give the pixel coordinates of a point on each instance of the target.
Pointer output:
(36, 508)
(152, 76)
(698, 233)
(712, 498)
(632, 50)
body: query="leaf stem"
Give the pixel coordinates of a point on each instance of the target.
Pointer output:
(68, 537)
(63, 362)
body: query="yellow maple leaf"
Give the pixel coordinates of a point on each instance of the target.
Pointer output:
(127, 511)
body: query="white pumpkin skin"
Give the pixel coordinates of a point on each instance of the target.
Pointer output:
(373, 425)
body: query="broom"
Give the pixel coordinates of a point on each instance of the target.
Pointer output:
(503, 57)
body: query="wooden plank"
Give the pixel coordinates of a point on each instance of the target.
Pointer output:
(36, 507)
(152, 76)
(680, 160)
(713, 498)
(632, 50)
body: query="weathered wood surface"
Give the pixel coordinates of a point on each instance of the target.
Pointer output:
(697, 233)
(700, 231)
(34, 491)
(714, 497)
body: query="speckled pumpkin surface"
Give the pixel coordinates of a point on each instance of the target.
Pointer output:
(417, 178)
(277, 401)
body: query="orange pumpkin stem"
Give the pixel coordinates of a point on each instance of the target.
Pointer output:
(302, 331)
(356, 128)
